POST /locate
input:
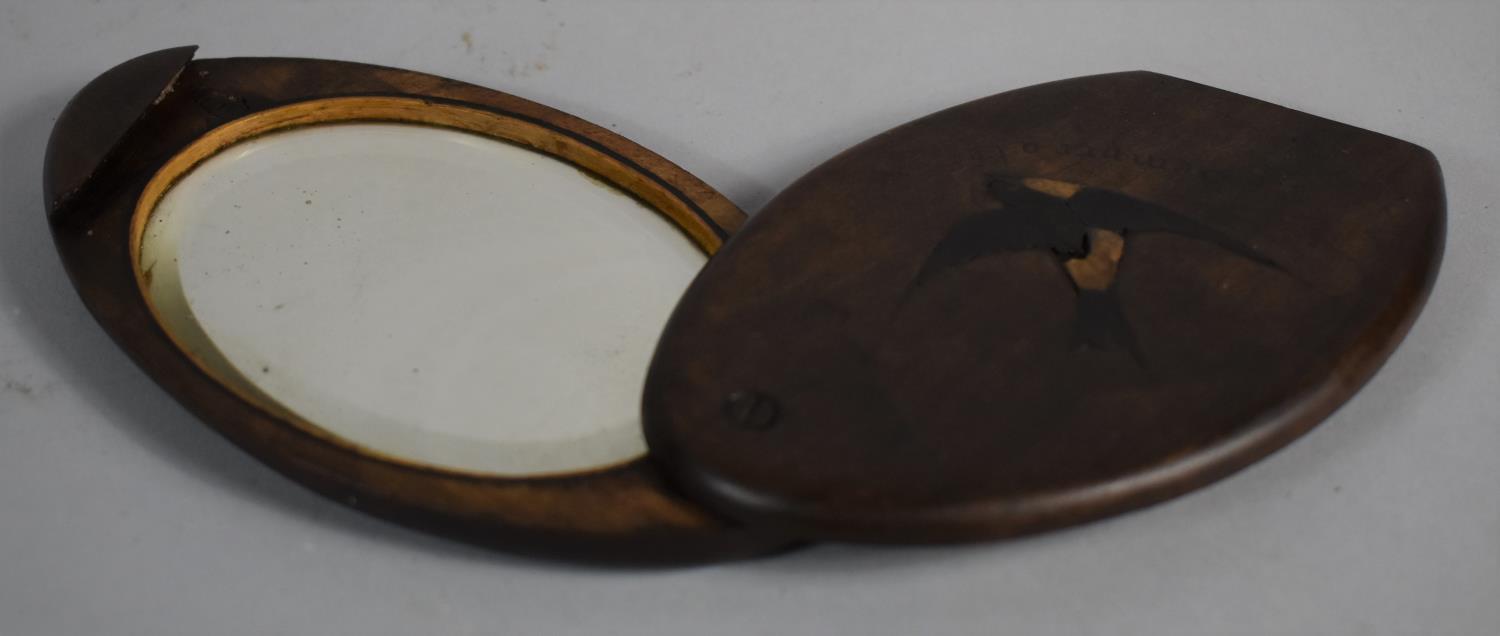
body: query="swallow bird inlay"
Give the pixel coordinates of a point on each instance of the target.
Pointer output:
(1087, 229)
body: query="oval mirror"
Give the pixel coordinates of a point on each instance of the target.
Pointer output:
(431, 295)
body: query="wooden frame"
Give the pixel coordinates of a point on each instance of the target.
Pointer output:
(131, 133)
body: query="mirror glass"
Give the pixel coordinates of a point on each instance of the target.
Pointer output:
(424, 293)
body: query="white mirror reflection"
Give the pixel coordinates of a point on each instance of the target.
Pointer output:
(424, 293)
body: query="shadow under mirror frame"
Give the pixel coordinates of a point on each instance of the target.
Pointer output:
(125, 139)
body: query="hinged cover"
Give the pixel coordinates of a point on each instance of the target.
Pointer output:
(1040, 308)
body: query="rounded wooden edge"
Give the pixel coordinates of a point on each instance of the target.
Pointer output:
(624, 514)
(101, 114)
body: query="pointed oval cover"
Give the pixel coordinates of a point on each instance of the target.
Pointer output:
(1040, 308)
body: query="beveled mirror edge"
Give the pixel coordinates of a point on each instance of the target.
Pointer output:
(624, 514)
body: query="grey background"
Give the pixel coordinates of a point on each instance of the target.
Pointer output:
(120, 514)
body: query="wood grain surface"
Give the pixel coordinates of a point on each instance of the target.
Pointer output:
(1041, 308)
